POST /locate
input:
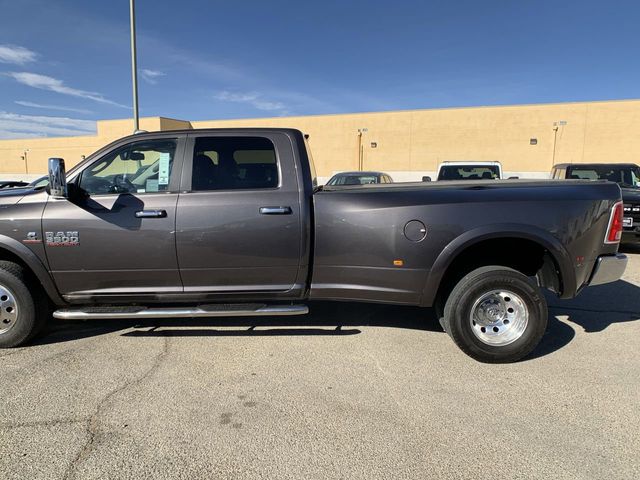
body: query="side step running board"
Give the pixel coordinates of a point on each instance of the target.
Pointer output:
(214, 310)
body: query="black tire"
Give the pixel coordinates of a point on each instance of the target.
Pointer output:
(466, 333)
(30, 304)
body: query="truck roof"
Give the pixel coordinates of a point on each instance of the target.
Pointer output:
(357, 174)
(470, 162)
(596, 164)
(212, 130)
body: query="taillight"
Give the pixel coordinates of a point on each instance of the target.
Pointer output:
(614, 231)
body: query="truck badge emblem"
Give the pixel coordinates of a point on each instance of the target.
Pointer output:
(32, 237)
(62, 239)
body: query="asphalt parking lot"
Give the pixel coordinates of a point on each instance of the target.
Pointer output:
(387, 395)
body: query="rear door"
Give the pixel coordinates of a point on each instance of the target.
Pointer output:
(118, 236)
(239, 224)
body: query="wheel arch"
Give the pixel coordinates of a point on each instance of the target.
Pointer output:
(12, 250)
(557, 254)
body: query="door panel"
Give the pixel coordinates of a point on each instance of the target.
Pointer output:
(116, 235)
(116, 252)
(224, 243)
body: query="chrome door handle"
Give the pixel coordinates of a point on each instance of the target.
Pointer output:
(275, 210)
(151, 214)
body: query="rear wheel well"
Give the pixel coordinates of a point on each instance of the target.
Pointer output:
(526, 256)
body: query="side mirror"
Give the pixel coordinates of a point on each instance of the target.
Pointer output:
(426, 179)
(57, 178)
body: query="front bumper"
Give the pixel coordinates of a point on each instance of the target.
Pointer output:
(608, 268)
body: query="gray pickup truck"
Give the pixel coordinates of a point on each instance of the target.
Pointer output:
(206, 223)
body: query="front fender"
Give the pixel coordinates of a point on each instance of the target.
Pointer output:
(495, 231)
(30, 259)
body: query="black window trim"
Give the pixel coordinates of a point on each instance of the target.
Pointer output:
(187, 168)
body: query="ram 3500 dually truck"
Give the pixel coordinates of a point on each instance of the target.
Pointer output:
(205, 223)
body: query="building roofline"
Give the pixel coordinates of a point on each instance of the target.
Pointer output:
(435, 109)
(143, 118)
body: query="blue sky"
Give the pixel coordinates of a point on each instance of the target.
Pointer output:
(64, 64)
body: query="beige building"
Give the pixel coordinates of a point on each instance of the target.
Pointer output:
(527, 139)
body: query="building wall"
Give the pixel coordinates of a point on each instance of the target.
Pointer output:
(408, 144)
(411, 143)
(39, 150)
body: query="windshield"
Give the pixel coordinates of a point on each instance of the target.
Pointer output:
(467, 172)
(628, 176)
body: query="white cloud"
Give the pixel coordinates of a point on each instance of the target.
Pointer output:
(16, 54)
(14, 125)
(256, 100)
(151, 76)
(45, 82)
(24, 103)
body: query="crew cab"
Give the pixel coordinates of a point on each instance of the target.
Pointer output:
(207, 223)
(626, 175)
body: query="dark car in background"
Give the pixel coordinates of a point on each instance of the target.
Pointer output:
(359, 178)
(626, 175)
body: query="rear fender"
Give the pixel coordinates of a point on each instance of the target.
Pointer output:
(496, 231)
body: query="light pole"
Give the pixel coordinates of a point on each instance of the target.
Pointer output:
(134, 66)
(556, 125)
(25, 157)
(361, 148)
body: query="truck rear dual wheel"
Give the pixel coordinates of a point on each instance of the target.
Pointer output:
(495, 314)
(23, 310)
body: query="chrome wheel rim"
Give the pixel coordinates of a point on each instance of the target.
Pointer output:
(499, 317)
(8, 309)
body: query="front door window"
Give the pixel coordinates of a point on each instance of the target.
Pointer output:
(140, 167)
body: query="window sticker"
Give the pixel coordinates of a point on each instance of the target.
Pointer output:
(163, 169)
(152, 185)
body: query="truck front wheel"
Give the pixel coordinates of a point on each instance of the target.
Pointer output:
(496, 315)
(22, 310)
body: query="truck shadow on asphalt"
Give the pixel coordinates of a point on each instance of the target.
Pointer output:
(324, 318)
(632, 248)
(593, 310)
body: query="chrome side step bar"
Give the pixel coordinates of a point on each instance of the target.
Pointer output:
(214, 310)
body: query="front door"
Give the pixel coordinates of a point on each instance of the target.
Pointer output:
(117, 235)
(238, 221)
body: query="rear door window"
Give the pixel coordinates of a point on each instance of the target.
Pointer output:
(234, 163)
